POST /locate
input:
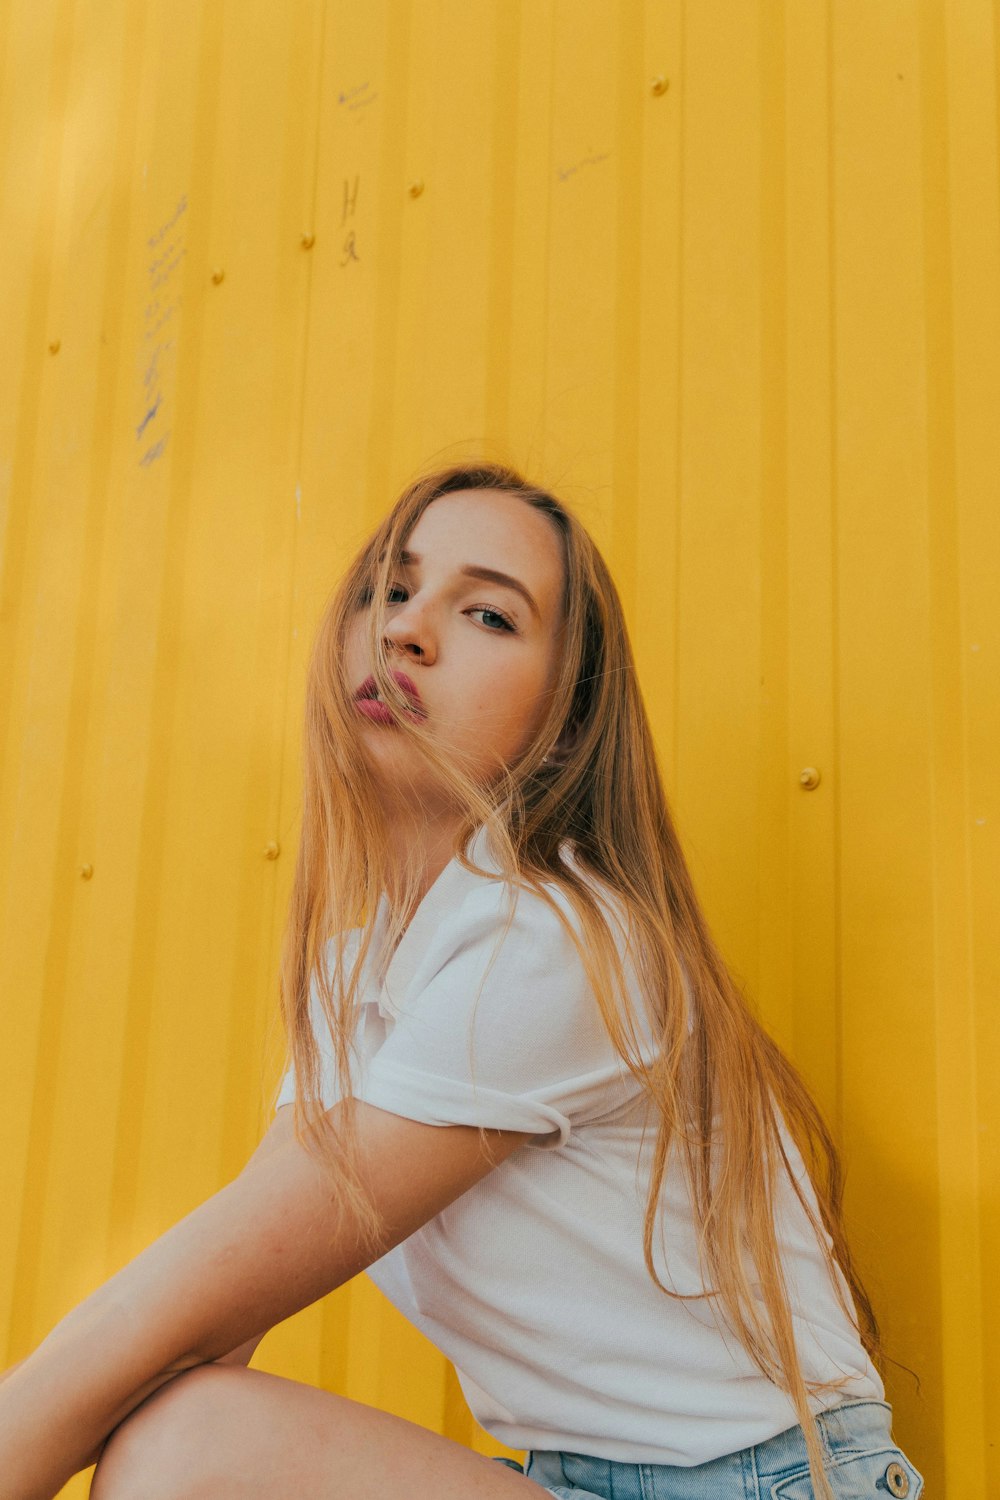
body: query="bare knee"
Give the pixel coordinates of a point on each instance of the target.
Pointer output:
(154, 1453)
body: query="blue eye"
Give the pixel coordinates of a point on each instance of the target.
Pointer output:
(485, 609)
(506, 624)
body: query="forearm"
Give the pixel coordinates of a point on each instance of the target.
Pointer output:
(202, 1292)
(58, 1356)
(59, 1405)
(269, 1244)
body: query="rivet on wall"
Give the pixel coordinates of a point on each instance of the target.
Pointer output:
(660, 84)
(86, 871)
(55, 346)
(416, 188)
(273, 850)
(218, 275)
(809, 778)
(307, 241)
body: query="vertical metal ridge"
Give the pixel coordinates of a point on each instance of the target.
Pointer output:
(958, 1107)
(631, 101)
(166, 490)
(24, 704)
(680, 364)
(506, 119)
(776, 796)
(834, 492)
(393, 203)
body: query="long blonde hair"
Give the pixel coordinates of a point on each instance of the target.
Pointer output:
(717, 1080)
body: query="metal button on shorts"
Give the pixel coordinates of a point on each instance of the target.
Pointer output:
(897, 1481)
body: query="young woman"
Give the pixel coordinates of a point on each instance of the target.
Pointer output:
(525, 1094)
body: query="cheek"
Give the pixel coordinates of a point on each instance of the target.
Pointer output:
(355, 649)
(507, 700)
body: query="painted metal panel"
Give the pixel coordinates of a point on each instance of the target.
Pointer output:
(726, 277)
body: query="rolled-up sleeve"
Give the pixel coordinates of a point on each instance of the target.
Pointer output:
(330, 1088)
(499, 1029)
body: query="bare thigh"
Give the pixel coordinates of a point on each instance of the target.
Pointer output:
(223, 1432)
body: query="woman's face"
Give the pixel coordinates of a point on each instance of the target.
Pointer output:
(481, 658)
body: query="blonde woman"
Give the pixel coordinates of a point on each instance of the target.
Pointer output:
(525, 1094)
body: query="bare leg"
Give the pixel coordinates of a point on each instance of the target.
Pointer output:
(223, 1432)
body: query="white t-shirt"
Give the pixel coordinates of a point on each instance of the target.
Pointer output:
(533, 1283)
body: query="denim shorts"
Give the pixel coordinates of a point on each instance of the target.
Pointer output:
(862, 1463)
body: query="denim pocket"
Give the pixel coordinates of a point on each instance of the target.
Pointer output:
(885, 1474)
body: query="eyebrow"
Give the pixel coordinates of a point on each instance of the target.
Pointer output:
(488, 575)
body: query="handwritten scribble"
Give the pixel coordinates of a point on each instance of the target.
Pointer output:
(148, 417)
(165, 228)
(156, 451)
(564, 173)
(348, 212)
(152, 371)
(350, 198)
(167, 247)
(350, 97)
(166, 270)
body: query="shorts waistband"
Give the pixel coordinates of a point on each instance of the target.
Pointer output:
(847, 1428)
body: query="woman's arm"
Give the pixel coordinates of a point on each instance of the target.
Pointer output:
(281, 1129)
(270, 1243)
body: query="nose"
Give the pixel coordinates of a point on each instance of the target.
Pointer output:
(410, 632)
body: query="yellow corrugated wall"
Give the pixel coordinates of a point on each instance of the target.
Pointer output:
(726, 276)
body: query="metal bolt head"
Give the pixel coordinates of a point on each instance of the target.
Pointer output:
(660, 84)
(809, 777)
(218, 276)
(416, 188)
(86, 872)
(307, 240)
(55, 346)
(273, 850)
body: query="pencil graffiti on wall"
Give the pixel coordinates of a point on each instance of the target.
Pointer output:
(167, 250)
(349, 209)
(564, 173)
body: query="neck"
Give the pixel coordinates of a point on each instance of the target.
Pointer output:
(420, 841)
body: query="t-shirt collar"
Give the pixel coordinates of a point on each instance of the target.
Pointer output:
(440, 900)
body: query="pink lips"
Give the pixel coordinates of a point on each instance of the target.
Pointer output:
(381, 713)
